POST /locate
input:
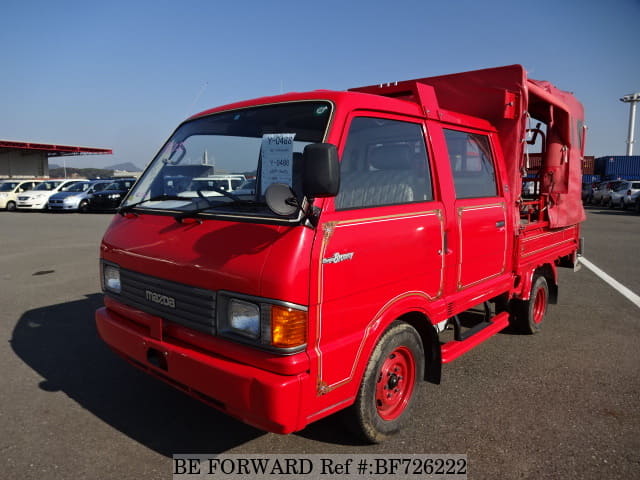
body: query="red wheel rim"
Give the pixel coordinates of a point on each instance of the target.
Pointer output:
(395, 383)
(539, 305)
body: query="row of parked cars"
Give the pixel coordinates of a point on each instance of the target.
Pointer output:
(64, 194)
(613, 194)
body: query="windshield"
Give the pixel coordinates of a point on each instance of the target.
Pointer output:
(48, 185)
(7, 186)
(77, 187)
(97, 187)
(214, 156)
(120, 185)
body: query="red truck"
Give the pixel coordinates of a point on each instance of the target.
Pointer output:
(388, 233)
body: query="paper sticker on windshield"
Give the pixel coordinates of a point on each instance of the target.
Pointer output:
(277, 159)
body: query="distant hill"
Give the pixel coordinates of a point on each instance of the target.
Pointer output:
(59, 172)
(127, 167)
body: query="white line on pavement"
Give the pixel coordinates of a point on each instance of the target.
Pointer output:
(624, 291)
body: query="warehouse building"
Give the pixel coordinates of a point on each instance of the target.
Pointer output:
(29, 160)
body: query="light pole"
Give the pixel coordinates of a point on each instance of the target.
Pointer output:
(631, 99)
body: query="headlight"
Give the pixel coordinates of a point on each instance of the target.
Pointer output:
(114, 196)
(111, 278)
(274, 325)
(244, 318)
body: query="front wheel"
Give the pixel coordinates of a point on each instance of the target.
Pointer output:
(11, 206)
(528, 315)
(389, 386)
(83, 207)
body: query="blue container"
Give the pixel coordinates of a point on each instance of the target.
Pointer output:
(590, 178)
(615, 166)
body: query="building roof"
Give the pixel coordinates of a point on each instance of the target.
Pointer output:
(53, 150)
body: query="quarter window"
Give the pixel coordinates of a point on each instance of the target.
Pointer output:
(471, 164)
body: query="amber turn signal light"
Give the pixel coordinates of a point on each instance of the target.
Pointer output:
(288, 327)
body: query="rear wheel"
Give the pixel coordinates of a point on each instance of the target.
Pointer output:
(528, 315)
(389, 386)
(11, 206)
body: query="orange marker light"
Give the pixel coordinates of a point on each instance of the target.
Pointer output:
(288, 327)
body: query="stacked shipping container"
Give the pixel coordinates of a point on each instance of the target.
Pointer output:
(622, 167)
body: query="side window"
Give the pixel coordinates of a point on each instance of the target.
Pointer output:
(384, 163)
(471, 164)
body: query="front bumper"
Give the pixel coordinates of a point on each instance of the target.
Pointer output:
(104, 204)
(263, 399)
(32, 204)
(61, 205)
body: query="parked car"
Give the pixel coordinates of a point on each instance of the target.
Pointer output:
(38, 198)
(621, 195)
(247, 188)
(9, 190)
(603, 192)
(210, 186)
(76, 198)
(110, 197)
(633, 201)
(587, 192)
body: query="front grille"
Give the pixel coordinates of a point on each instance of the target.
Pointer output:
(193, 307)
(55, 201)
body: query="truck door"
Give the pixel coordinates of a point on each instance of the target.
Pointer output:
(382, 241)
(480, 209)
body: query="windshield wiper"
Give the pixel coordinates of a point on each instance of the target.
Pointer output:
(210, 206)
(157, 198)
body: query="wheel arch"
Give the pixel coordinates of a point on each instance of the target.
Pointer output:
(414, 309)
(550, 272)
(430, 344)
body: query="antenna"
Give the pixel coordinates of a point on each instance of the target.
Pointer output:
(198, 95)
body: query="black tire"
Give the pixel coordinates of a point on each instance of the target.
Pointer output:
(637, 206)
(11, 206)
(83, 207)
(527, 316)
(390, 385)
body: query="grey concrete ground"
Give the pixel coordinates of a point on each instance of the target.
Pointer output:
(561, 404)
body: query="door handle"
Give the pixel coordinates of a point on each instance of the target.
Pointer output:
(500, 224)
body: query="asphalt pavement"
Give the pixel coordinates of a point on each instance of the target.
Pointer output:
(560, 404)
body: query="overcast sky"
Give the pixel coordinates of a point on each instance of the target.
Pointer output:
(122, 75)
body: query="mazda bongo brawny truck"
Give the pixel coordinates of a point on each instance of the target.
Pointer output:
(387, 235)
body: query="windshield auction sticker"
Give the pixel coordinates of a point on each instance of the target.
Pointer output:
(277, 159)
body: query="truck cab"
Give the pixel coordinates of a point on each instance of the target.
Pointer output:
(387, 235)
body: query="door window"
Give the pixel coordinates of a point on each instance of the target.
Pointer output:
(384, 163)
(472, 164)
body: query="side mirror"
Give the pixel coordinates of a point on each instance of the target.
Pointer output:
(321, 177)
